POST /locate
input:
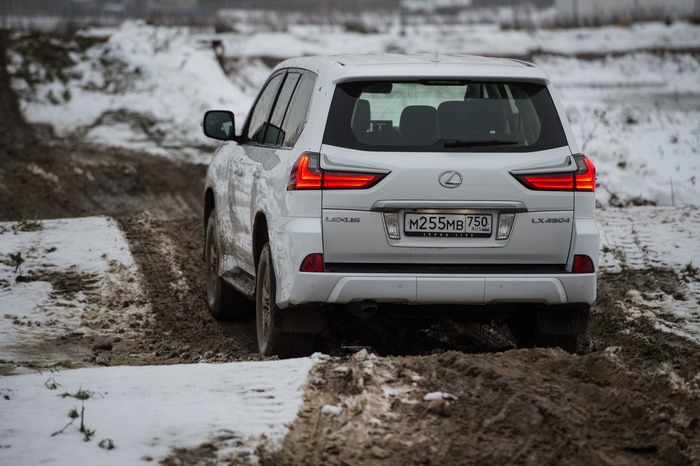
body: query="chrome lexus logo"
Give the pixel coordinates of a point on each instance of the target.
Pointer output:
(450, 179)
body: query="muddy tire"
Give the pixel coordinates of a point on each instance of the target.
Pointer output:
(223, 302)
(271, 340)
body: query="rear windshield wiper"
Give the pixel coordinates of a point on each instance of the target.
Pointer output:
(479, 143)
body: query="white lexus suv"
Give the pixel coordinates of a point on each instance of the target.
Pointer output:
(447, 183)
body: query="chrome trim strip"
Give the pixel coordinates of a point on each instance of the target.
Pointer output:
(568, 166)
(328, 164)
(502, 206)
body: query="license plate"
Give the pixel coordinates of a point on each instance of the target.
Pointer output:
(448, 225)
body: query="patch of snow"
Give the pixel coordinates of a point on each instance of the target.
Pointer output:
(147, 411)
(331, 410)
(439, 396)
(91, 250)
(676, 382)
(147, 87)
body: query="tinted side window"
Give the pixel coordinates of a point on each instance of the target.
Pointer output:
(259, 114)
(274, 134)
(298, 109)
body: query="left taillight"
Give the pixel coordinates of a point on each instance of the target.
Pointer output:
(308, 174)
(312, 263)
(583, 179)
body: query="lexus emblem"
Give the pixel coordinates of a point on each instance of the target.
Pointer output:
(450, 179)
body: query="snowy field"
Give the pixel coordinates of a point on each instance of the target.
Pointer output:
(636, 113)
(637, 116)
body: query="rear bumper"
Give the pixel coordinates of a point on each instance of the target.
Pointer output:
(548, 285)
(442, 289)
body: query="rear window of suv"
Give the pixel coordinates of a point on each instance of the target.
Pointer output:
(443, 116)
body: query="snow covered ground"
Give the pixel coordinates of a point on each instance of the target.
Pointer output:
(144, 412)
(133, 415)
(637, 116)
(641, 238)
(64, 282)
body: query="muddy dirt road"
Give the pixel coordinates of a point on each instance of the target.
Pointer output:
(449, 394)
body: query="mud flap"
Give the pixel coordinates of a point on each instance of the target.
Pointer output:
(299, 319)
(559, 320)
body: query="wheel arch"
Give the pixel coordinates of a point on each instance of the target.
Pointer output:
(260, 236)
(208, 208)
(209, 205)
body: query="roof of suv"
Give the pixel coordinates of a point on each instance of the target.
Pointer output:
(349, 66)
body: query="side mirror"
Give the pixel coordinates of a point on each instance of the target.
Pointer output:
(219, 124)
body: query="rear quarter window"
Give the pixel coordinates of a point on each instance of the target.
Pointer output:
(280, 112)
(438, 115)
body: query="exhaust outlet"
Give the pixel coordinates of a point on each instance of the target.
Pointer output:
(362, 309)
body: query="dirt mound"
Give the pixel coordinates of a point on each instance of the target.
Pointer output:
(540, 406)
(631, 397)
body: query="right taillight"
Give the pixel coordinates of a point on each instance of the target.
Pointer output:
(308, 174)
(583, 179)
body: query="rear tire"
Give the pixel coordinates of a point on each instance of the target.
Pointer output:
(271, 340)
(223, 302)
(523, 326)
(566, 341)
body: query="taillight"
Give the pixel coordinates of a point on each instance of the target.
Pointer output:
(312, 263)
(582, 264)
(308, 174)
(583, 179)
(585, 175)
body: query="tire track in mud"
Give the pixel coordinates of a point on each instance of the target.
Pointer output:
(643, 252)
(168, 254)
(645, 228)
